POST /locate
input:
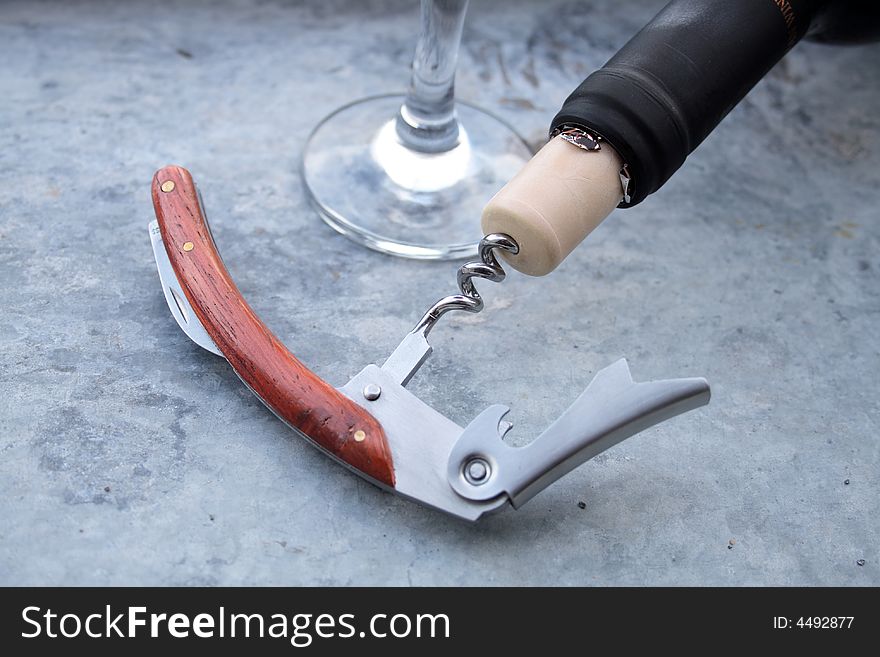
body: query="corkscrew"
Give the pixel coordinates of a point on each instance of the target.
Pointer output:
(470, 300)
(414, 349)
(373, 424)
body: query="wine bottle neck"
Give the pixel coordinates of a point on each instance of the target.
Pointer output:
(662, 94)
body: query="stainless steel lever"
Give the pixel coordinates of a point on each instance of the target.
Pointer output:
(613, 407)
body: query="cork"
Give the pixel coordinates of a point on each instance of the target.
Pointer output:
(554, 202)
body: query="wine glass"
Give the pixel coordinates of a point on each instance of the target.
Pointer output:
(409, 174)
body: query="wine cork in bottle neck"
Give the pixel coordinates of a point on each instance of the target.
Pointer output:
(554, 202)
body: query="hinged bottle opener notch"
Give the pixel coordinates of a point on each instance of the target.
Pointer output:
(611, 409)
(372, 424)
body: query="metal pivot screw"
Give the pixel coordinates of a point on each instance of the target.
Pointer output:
(372, 392)
(477, 471)
(168, 186)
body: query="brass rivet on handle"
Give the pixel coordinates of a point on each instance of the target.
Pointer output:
(167, 186)
(359, 436)
(188, 246)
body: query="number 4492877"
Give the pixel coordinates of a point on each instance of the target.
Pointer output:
(814, 622)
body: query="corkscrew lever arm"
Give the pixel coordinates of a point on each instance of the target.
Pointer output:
(611, 409)
(414, 349)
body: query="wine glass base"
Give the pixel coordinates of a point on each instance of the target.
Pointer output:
(371, 188)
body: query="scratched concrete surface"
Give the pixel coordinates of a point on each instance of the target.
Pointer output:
(130, 456)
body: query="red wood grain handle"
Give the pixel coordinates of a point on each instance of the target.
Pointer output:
(282, 382)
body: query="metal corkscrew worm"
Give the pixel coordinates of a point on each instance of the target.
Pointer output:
(470, 300)
(414, 349)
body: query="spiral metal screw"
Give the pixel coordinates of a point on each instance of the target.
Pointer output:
(470, 300)
(405, 361)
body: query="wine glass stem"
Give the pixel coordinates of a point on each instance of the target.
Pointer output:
(426, 121)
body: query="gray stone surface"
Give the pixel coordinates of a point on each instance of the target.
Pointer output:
(130, 456)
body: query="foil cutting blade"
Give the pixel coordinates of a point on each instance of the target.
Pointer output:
(183, 313)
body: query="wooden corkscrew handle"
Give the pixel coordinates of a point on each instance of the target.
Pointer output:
(304, 401)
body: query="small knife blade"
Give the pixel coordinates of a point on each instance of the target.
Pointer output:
(183, 313)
